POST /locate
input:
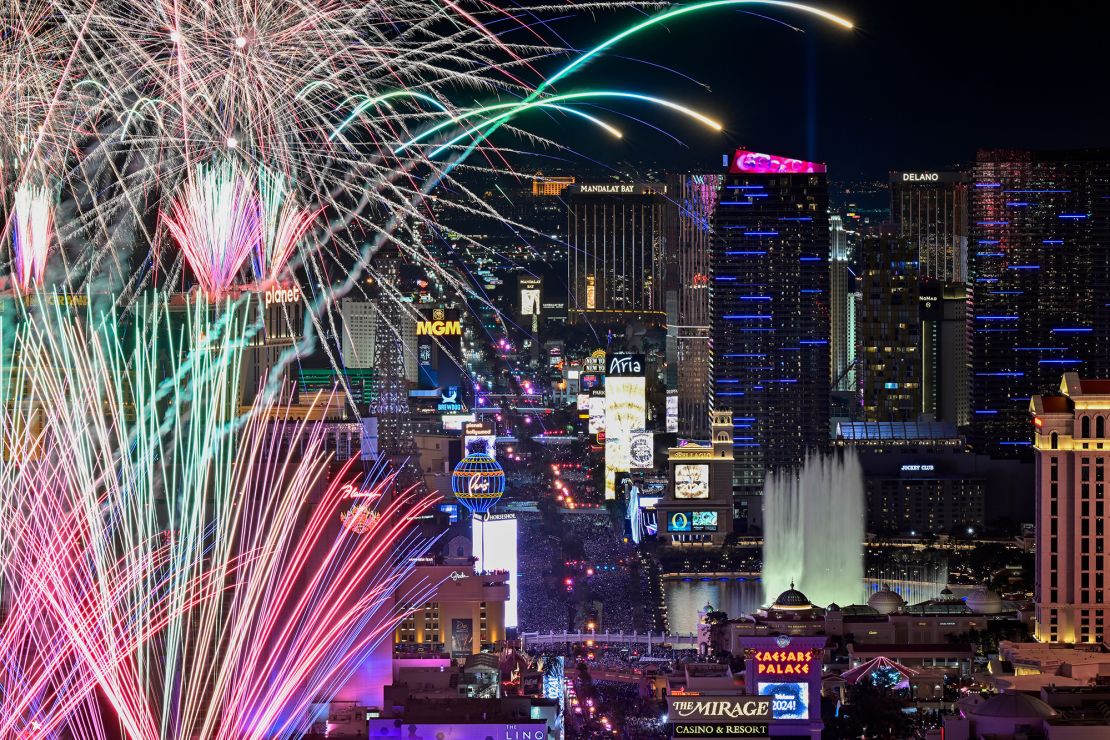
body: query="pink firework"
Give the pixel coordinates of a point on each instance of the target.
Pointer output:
(284, 225)
(216, 222)
(32, 233)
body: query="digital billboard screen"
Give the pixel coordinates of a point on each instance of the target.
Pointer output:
(692, 521)
(679, 521)
(462, 637)
(691, 481)
(597, 414)
(625, 411)
(672, 412)
(529, 302)
(641, 453)
(498, 551)
(704, 521)
(788, 700)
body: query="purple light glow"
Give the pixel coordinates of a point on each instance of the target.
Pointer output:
(747, 161)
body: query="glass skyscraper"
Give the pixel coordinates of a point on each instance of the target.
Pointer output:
(1039, 268)
(930, 210)
(769, 312)
(691, 200)
(615, 251)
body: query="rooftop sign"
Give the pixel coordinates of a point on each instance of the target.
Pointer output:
(759, 163)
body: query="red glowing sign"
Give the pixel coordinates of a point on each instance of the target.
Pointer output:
(350, 490)
(745, 161)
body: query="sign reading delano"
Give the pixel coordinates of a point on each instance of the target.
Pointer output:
(742, 716)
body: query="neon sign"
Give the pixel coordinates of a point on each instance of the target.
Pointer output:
(746, 161)
(350, 490)
(283, 295)
(783, 662)
(439, 328)
(359, 519)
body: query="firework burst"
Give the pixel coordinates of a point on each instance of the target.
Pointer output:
(162, 549)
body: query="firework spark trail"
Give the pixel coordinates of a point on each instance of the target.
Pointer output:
(215, 221)
(284, 225)
(32, 233)
(181, 620)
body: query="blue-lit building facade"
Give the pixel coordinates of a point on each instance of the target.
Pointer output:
(1039, 269)
(769, 313)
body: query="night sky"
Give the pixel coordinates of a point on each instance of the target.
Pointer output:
(917, 85)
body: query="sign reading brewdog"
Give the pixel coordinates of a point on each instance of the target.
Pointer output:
(724, 717)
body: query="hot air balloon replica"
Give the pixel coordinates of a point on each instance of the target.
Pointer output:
(478, 483)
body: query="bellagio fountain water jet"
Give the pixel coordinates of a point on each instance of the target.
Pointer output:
(813, 529)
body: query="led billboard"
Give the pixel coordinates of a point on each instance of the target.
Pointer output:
(462, 637)
(529, 303)
(672, 412)
(691, 481)
(479, 436)
(679, 521)
(692, 521)
(747, 161)
(495, 538)
(625, 411)
(704, 521)
(597, 413)
(641, 453)
(788, 700)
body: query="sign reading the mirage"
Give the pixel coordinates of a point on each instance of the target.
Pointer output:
(742, 716)
(719, 709)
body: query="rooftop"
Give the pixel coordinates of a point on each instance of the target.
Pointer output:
(896, 430)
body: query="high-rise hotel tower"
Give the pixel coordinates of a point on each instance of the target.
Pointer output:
(769, 312)
(1039, 271)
